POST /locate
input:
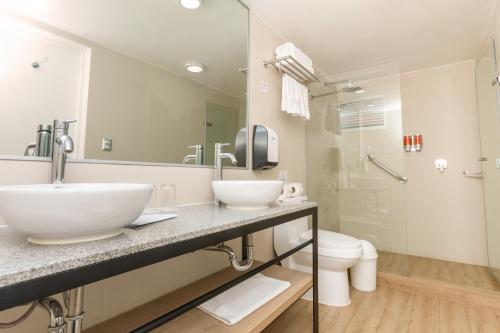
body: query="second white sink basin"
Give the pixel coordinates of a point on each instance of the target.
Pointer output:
(72, 213)
(247, 194)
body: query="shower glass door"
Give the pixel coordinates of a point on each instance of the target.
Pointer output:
(356, 197)
(489, 123)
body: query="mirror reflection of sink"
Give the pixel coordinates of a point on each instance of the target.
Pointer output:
(247, 194)
(72, 213)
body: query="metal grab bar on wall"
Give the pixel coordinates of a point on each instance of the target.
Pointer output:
(401, 179)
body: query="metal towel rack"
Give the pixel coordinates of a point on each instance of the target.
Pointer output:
(401, 179)
(293, 68)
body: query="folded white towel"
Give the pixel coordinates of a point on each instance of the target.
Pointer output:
(148, 218)
(238, 302)
(289, 49)
(294, 98)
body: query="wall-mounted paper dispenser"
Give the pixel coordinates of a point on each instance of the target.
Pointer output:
(265, 148)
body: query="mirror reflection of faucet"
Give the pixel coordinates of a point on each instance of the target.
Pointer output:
(197, 157)
(42, 147)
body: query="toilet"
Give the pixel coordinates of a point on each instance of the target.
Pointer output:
(337, 253)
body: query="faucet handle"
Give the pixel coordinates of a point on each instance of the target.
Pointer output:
(195, 147)
(220, 145)
(63, 124)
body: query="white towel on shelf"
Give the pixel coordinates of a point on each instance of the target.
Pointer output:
(289, 49)
(238, 302)
(294, 98)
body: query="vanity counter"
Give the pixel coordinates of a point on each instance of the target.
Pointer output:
(43, 266)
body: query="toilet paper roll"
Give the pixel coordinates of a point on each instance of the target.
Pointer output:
(297, 189)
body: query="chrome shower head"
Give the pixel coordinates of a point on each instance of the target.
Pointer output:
(350, 87)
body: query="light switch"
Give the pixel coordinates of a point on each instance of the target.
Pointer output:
(107, 144)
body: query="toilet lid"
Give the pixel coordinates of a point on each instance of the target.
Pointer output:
(333, 240)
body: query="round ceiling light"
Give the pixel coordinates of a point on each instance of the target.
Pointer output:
(194, 68)
(190, 4)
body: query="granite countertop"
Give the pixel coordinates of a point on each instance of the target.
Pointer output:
(21, 261)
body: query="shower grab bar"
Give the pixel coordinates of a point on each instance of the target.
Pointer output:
(401, 179)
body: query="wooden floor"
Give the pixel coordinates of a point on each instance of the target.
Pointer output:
(441, 270)
(390, 310)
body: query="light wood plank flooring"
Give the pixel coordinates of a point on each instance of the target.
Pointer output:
(390, 310)
(440, 270)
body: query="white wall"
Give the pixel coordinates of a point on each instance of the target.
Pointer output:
(445, 213)
(115, 295)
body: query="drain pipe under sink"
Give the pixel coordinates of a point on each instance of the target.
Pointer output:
(240, 266)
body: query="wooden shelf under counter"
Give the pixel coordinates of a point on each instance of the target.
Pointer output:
(196, 321)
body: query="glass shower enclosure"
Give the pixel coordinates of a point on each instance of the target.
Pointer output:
(487, 87)
(357, 196)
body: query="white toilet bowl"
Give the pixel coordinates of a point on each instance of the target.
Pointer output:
(337, 253)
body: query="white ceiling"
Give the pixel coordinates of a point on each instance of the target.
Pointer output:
(159, 32)
(342, 35)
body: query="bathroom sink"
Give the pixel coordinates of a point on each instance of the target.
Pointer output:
(72, 213)
(247, 194)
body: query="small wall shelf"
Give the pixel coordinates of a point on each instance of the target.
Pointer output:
(293, 68)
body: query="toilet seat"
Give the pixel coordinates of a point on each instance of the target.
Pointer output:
(332, 244)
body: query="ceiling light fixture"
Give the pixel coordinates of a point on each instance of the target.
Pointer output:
(194, 67)
(190, 4)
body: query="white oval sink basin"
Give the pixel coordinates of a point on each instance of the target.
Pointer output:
(247, 194)
(72, 213)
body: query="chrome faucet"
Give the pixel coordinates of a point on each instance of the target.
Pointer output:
(219, 156)
(218, 159)
(197, 157)
(62, 144)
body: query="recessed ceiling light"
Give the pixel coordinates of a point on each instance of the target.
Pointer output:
(194, 68)
(190, 4)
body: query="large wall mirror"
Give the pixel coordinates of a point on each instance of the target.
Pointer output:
(149, 81)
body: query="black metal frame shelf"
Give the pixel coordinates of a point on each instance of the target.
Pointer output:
(24, 292)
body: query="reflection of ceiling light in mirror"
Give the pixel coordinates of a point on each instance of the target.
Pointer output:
(190, 4)
(194, 68)
(359, 91)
